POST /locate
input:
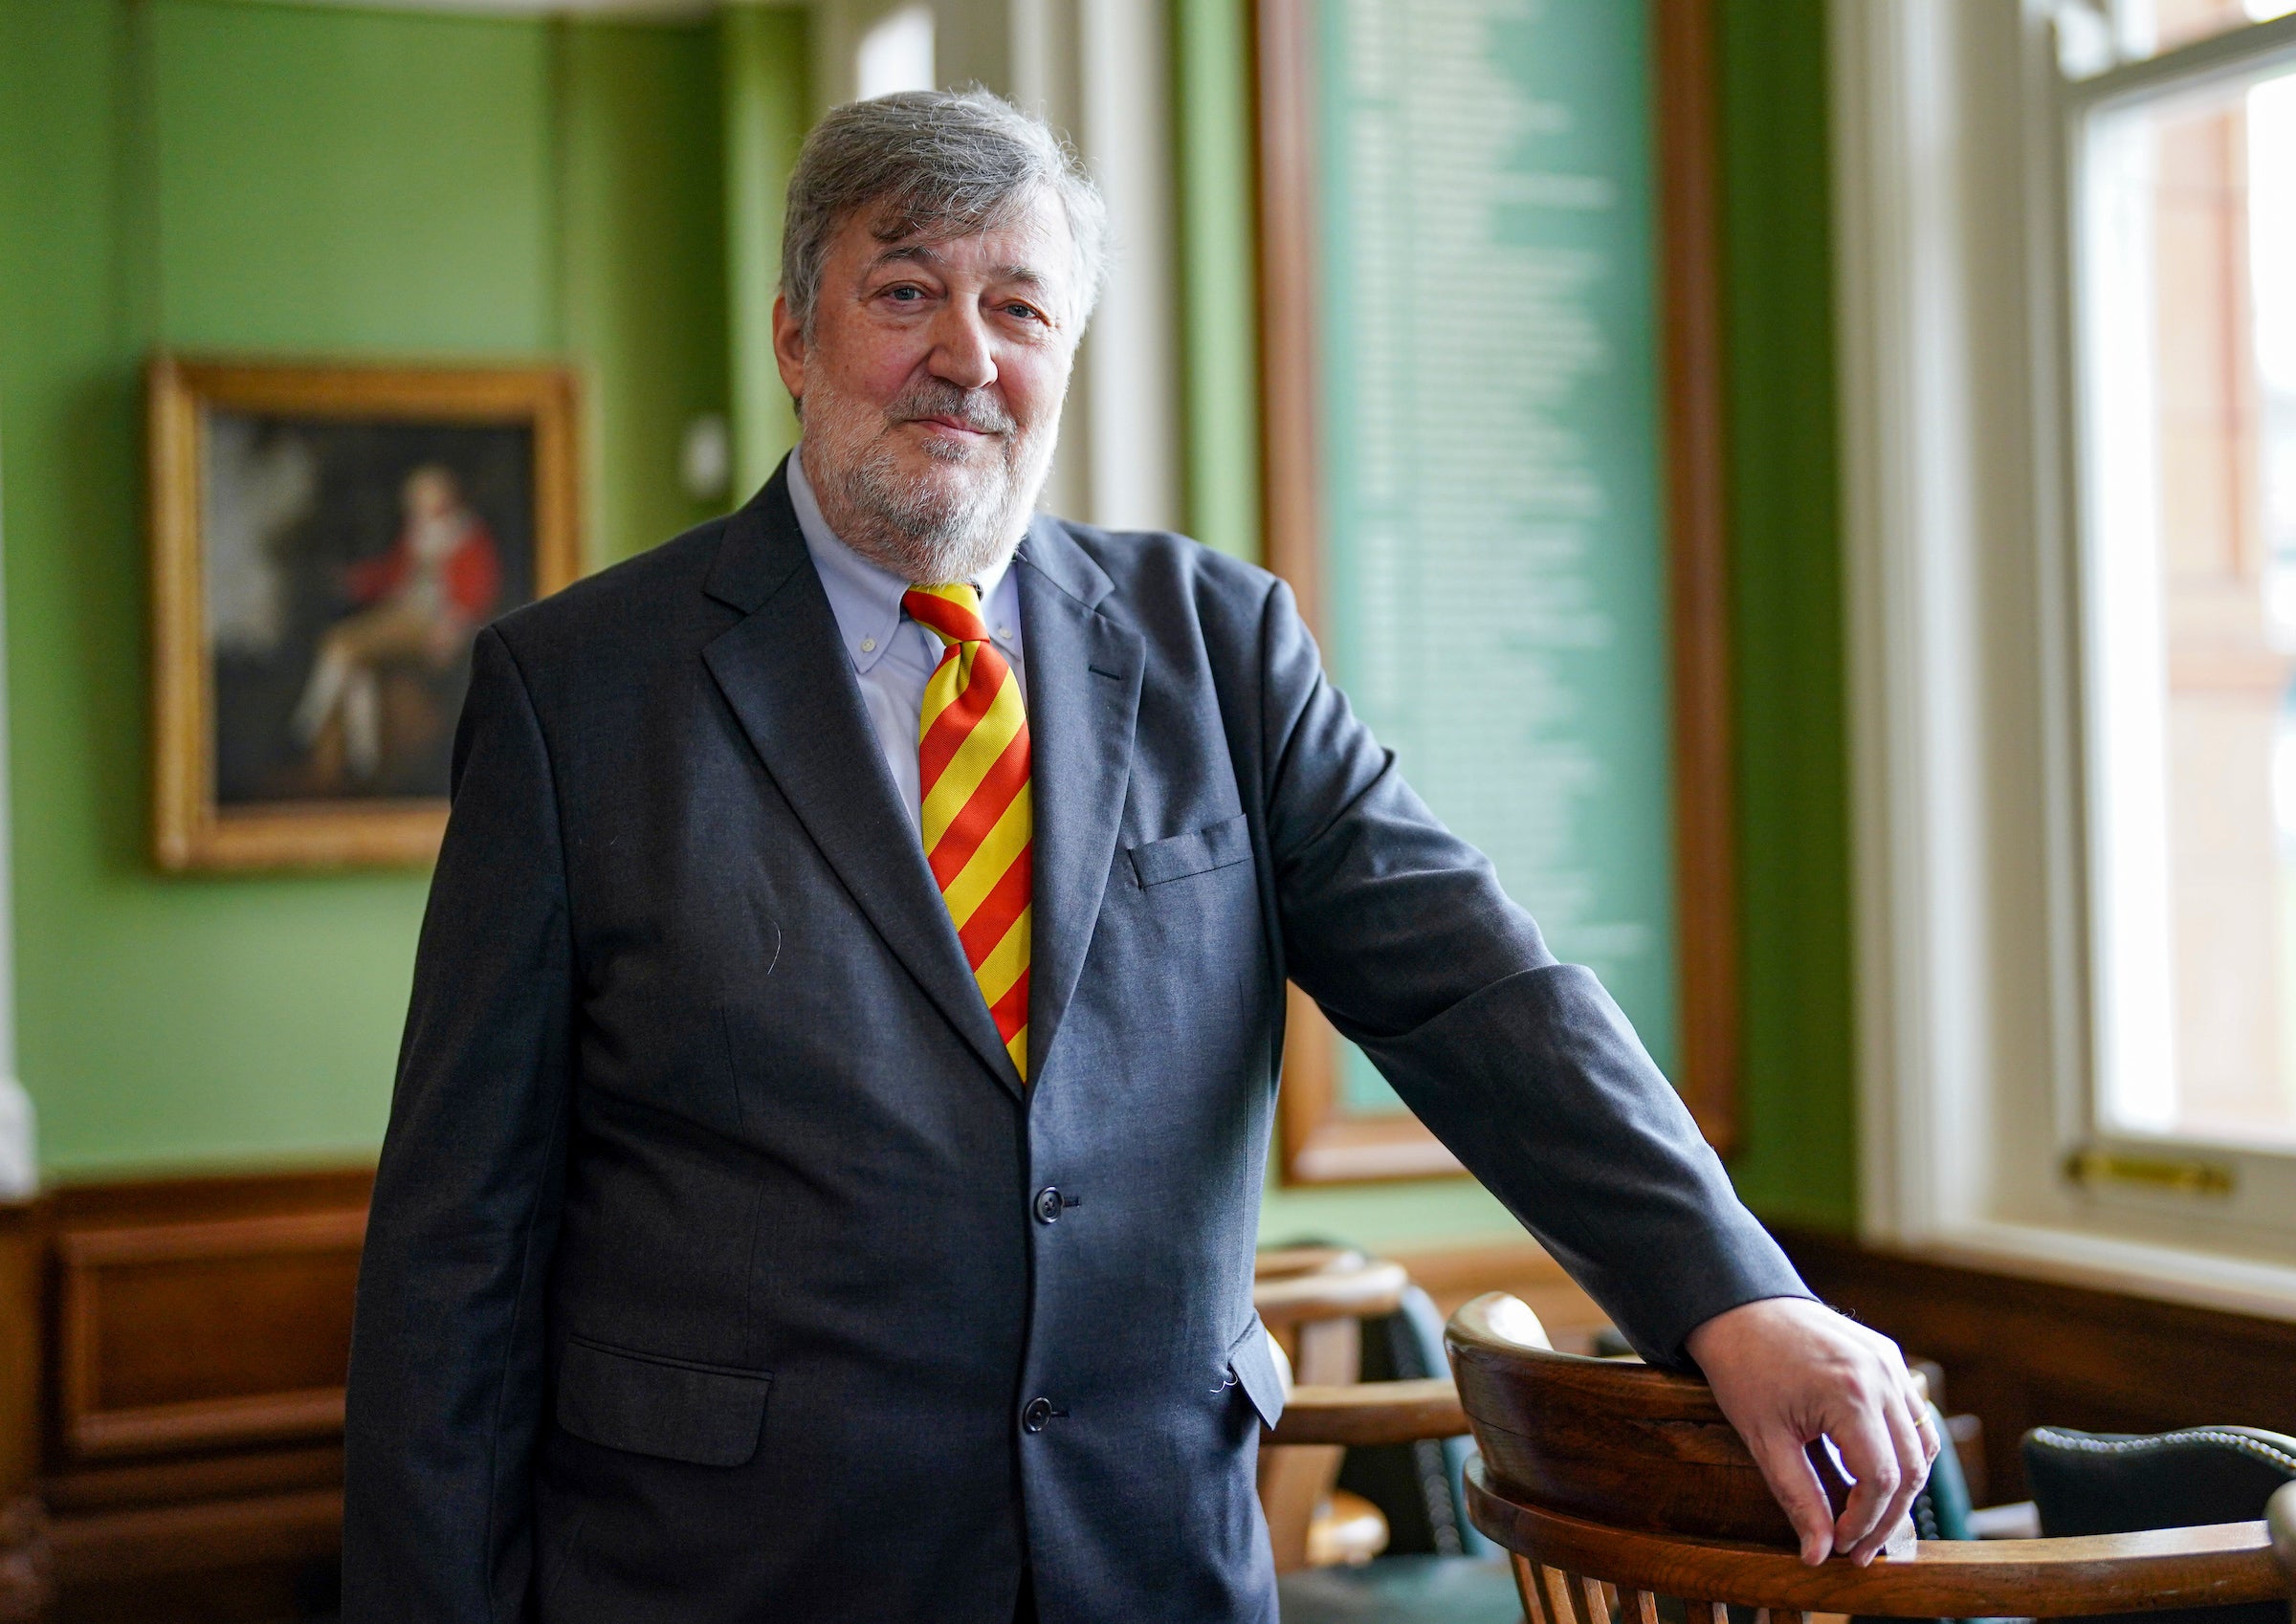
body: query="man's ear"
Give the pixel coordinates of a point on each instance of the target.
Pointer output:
(789, 347)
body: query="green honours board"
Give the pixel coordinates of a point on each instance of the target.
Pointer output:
(1484, 534)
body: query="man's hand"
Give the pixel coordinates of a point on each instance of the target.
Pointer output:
(1788, 1372)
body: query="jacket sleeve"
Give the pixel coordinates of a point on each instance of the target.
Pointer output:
(1522, 1066)
(446, 1380)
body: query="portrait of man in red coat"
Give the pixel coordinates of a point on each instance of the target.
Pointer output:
(419, 605)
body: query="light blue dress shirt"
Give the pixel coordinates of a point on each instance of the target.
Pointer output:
(892, 654)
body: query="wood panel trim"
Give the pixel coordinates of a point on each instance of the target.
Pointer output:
(1706, 859)
(182, 1197)
(206, 1423)
(234, 1474)
(223, 1237)
(174, 1539)
(141, 1497)
(1320, 1142)
(90, 1431)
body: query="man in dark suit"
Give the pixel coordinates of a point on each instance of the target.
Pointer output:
(823, 1177)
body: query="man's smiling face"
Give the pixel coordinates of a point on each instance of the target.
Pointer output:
(930, 379)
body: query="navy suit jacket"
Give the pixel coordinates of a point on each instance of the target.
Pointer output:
(706, 1278)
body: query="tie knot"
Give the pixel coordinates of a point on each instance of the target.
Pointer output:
(951, 613)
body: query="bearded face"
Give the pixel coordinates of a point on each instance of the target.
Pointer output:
(926, 508)
(930, 379)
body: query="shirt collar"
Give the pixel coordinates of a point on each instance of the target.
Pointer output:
(865, 598)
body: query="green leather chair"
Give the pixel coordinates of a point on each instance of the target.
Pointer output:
(2123, 1483)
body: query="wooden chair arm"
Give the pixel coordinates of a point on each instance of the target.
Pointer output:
(1362, 1292)
(2214, 1566)
(1369, 1412)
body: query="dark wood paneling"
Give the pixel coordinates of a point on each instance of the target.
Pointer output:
(156, 1539)
(197, 1335)
(188, 1335)
(26, 1562)
(238, 1474)
(117, 1203)
(23, 1551)
(273, 1593)
(2020, 1353)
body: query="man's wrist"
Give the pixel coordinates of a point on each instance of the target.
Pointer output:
(1737, 1318)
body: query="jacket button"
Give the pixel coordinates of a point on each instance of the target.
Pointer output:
(1038, 1413)
(1047, 1204)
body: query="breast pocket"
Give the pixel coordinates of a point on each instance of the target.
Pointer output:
(1216, 845)
(703, 1415)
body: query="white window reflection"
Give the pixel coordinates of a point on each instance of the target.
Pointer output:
(2188, 228)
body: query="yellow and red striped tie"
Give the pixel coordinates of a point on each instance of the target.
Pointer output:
(972, 750)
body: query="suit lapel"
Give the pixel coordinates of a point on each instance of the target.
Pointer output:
(1084, 691)
(790, 683)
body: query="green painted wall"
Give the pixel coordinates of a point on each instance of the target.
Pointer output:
(764, 54)
(1797, 1159)
(216, 173)
(209, 174)
(1211, 62)
(1798, 1162)
(641, 265)
(356, 181)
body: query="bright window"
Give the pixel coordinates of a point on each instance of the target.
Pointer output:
(2066, 252)
(2185, 364)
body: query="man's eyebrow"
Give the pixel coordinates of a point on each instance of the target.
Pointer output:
(927, 255)
(917, 254)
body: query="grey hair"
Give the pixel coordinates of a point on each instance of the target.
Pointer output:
(934, 162)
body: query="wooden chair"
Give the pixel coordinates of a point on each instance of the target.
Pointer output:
(1614, 1484)
(1314, 1300)
(1324, 1419)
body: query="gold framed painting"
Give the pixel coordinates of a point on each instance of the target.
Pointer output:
(326, 542)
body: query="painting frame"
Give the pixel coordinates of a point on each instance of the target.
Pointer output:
(191, 829)
(1321, 1140)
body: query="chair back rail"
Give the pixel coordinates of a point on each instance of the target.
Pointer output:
(1615, 1441)
(1614, 1484)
